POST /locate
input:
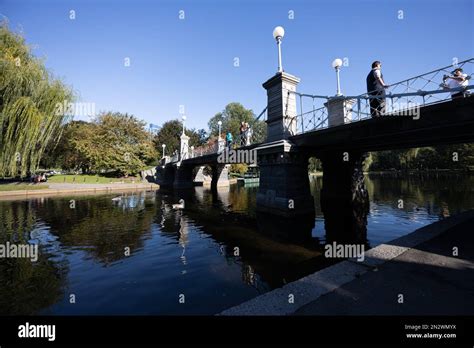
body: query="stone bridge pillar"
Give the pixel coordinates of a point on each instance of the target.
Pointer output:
(284, 183)
(200, 177)
(220, 175)
(183, 177)
(165, 175)
(220, 145)
(281, 103)
(184, 148)
(339, 111)
(344, 197)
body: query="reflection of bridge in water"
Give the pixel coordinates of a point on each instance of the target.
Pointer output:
(419, 112)
(276, 249)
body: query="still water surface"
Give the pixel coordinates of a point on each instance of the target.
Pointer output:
(218, 252)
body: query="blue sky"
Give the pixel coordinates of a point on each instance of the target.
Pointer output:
(190, 61)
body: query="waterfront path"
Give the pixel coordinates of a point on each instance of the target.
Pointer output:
(420, 266)
(66, 188)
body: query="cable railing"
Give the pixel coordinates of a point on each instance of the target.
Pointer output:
(403, 98)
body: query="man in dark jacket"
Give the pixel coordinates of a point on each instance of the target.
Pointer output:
(376, 88)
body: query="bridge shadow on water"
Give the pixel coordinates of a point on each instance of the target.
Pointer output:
(278, 249)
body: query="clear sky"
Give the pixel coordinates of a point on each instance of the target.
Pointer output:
(191, 61)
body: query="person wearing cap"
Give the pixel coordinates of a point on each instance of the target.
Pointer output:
(376, 88)
(458, 79)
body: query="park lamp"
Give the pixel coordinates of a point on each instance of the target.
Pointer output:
(184, 120)
(163, 146)
(336, 64)
(278, 34)
(219, 124)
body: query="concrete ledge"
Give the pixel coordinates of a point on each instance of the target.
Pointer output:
(304, 290)
(78, 190)
(386, 252)
(310, 288)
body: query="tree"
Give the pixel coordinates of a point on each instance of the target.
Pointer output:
(170, 133)
(457, 156)
(232, 116)
(111, 142)
(65, 154)
(29, 119)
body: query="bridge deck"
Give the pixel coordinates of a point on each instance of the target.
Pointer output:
(212, 158)
(449, 122)
(443, 123)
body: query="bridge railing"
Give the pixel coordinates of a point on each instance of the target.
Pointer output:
(205, 149)
(401, 98)
(256, 133)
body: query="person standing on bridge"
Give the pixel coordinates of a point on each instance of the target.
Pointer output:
(243, 131)
(248, 134)
(228, 139)
(457, 80)
(376, 88)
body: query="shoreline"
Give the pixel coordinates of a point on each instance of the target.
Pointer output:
(75, 189)
(410, 172)
(314, 288)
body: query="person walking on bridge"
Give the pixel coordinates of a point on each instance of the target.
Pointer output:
(376, 89)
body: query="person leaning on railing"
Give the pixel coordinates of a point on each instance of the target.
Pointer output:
(243, 130)
(248, 134)
(458, 79)
(376, 88)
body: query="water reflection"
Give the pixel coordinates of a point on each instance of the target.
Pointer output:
(27, 287)
(218, 249)
(99, 226)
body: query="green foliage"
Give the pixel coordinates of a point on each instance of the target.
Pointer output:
(232, 116)
(170, 133)
(29, 122)
(112, 142)
(314, 165)
(368, 162)
(239, 168)
(457, 157)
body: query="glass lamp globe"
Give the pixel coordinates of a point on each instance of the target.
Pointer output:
(278, 32)
(336, 63)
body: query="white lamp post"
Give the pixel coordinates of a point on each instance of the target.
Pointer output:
(336, 64)
(184, 120)
(192, 151)
(163, 146)
(278, 34)
(219, 124)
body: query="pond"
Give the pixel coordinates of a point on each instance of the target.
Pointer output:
(133, 254)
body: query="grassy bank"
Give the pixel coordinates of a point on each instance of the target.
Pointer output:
(90, 179)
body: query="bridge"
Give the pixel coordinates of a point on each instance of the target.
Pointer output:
(339, 130)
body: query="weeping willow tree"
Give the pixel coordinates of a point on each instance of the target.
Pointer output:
(29, 96)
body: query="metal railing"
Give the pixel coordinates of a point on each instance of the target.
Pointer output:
(255, 134)
(401, 98)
